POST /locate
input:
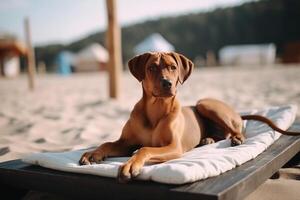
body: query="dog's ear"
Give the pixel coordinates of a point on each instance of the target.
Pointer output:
(185, 65)
(137, 65)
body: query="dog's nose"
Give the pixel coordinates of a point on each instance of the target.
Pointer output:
(165, 83)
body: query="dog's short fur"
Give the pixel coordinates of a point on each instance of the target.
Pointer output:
(158, 127)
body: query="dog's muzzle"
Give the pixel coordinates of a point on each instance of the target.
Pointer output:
(165, 84)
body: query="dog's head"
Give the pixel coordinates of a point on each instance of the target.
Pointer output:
(160, 72)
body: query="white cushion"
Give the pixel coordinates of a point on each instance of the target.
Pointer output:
(200, 163)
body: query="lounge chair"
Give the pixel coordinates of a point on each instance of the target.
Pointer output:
(17, 178)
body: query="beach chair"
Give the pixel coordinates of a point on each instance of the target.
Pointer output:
(17, 178)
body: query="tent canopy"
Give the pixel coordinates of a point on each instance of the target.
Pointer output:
(154, 42)
(94, 52)
(248, 54)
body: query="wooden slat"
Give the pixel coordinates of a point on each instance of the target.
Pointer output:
(234, 184)
(20, 175)
(241, 181)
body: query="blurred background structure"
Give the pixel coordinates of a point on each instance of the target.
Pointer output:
(92, 58)
(11, 51)
(241, 55)
(154, 42)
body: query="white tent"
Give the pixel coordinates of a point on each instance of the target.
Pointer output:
(11, 67)
(258, 54)
(154, 42)
(93, 57)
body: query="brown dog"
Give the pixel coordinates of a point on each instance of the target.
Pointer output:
(159, 127)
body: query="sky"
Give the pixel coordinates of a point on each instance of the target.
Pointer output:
(64, 21)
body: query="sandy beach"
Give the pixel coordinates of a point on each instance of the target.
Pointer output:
(74, 112)
(66, 113)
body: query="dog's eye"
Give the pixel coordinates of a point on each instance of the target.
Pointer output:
(152, 68)
(173, 67)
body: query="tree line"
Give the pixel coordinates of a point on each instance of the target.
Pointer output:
(264, 21)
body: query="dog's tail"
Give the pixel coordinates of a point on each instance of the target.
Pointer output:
(269, 122)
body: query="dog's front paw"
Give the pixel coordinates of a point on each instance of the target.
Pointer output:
(129, 170)
(91, 157)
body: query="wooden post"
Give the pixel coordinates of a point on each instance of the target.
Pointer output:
(30, 56)
(1, 66)
(113, 39)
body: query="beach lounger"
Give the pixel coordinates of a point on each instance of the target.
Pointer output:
(17, 178)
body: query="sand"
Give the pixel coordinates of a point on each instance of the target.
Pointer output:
(66, 113)
(277, 189)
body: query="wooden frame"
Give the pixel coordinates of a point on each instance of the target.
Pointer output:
(17, 177)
